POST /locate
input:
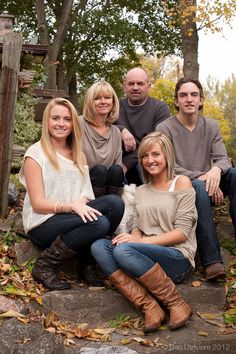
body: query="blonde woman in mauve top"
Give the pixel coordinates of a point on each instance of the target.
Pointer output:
(102, 143)
(159, 251)
(60, 214)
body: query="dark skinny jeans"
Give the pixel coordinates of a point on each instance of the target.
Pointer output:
(101, 176)
(207, 240)
(74, 232)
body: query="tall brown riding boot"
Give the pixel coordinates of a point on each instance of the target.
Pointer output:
(45, 269)
(115, 190)
(163, 288)
(138, 296)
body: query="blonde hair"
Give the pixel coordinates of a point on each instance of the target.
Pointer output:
(73, 140)
(100, 88)
(168, 151)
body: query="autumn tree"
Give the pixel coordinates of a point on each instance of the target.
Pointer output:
(89, 40)
(192, 16)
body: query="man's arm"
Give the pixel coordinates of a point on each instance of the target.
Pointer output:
(219, 154)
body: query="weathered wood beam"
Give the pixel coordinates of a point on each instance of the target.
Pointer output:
(12, 46)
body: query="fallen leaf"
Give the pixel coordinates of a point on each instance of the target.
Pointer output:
(51, 329)
(104, 330)
(231, 311)
(203, 333)
(68, 342)
(49, 319)
(126, 341)
(83, 326)
(5, 267)
(196, 283)
(206, 316)
(162, 328)
(23, 320)
(22, 341)
(11, 314)
(95, 288)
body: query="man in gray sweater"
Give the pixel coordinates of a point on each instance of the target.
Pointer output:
(201, 155)
(139, 116)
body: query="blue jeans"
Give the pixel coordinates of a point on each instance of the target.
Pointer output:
(74, 232)
(137, 258)
(207, 240)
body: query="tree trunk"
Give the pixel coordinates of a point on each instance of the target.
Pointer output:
(189, 36)
(54, 49)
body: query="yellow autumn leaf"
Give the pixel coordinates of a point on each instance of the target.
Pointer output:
(5, 267)
(23, 320)
(51, 329)
(203, 333)
(126, 341)
(207, 316)
(196, 283)
(11, 314)
(104, 330)
(231, 311)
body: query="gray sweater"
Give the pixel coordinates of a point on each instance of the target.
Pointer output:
(140, 121)
(198, 150)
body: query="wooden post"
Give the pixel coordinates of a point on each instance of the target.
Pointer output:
(12, 46)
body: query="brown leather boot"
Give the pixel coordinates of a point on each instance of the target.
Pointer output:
(162, 287)
(139, 298)
(45, 269)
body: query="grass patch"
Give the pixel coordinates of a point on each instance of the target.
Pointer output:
(120, 321)
(229, 244)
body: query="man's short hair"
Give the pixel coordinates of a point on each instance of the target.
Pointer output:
(184, 80)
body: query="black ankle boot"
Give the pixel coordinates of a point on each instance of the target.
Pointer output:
(45, 269)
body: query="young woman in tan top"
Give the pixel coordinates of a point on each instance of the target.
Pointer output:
(102, 143)
(60, 214)
(159, 251)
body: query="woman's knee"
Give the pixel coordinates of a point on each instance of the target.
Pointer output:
(98, 175)
(116, 175)
(122, 251)
(101, 226)
(99, 247)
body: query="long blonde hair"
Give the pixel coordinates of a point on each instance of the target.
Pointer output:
(73, 140)
(100, 88)
(168, 151)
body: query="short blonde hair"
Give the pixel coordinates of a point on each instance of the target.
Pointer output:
(100, 88)
(168, 151)
(73, 140)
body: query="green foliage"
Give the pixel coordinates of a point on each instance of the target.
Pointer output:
(26, 130)
(119, 321)
(229, 245)
(29, 264)
(164, 90)
(228, 318)
(8, 238)
(102, 36)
